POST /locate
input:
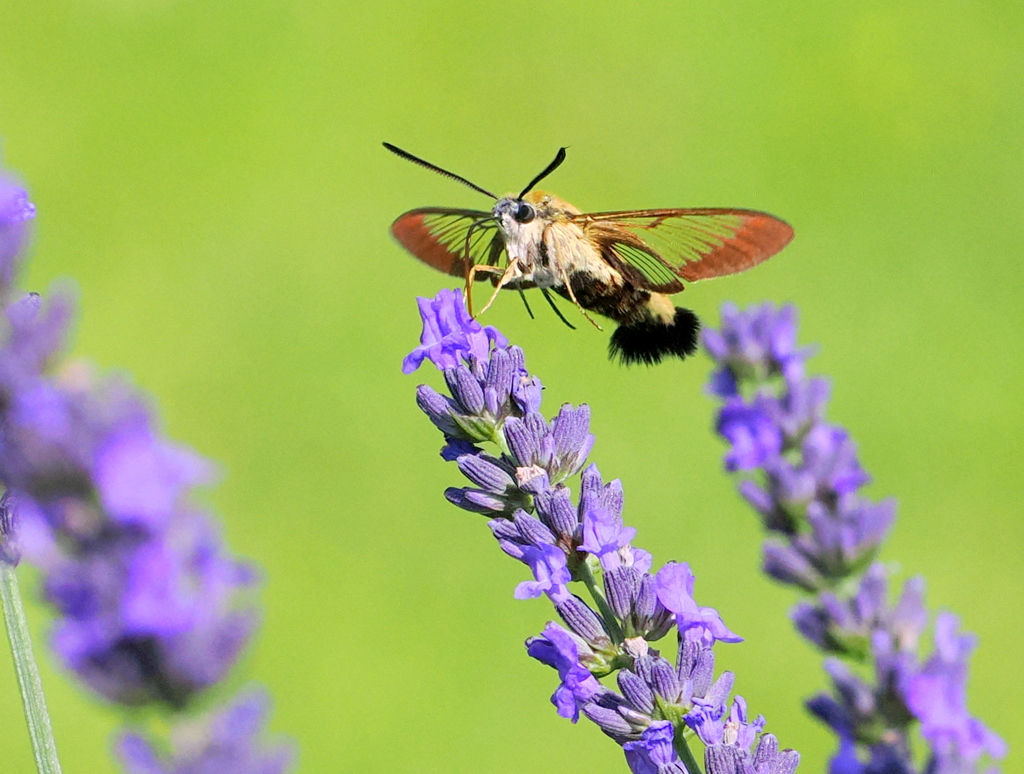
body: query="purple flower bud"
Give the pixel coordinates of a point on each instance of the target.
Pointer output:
(456, 447)
(475, 500)
(637, 691)
(695, 664)
(729, 759)
(583, 621)
(15, 213)
(526, 440)
(36, 333)
(645, 605)
(770, 759)
(527, 391)
(855, 692)
(788, 565)
(478, 501)
(465, 389)
(557, 511)
(595, 495)
(621, 586)
(910, 617)
(831, 457)
(725, 759)
(714, 699)
(664, 681)
(754, 437)
(532, 531)
(504, 529)
(608, 720)
(869, 605)
(439, 410)
(833, 714)
(487, 472)
(766, 506)
(570, 432)
(498, 382)
(813, 623)
(513, 549)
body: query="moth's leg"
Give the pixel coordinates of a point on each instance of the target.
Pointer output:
(572, 297)
(506, 275)
(482, 268)
(551, 303)
(526, 303)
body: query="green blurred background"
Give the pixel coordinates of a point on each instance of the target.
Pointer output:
(210, 175)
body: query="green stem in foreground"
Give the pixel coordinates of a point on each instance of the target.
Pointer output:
(31, 686)
(686, 754)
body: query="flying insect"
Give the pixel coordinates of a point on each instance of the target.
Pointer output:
(621, 265)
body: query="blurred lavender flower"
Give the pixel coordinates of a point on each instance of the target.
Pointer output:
(225, 742)
(521, 488)
(802, 478)
(152, 607)
(15, 213)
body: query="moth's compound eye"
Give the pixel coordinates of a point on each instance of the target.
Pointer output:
(525, 213)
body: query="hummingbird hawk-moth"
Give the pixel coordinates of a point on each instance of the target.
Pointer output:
(620, 265)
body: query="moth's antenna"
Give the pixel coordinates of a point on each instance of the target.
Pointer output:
(451, 175)
(559, 158)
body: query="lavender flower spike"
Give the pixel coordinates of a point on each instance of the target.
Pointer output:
(802, 477)
(152, 609)
(522, 486)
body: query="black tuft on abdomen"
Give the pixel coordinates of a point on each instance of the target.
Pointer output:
(649, 342)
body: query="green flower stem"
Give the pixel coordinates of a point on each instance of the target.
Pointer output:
(685, 754)
(39, 729)
(611, 623)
